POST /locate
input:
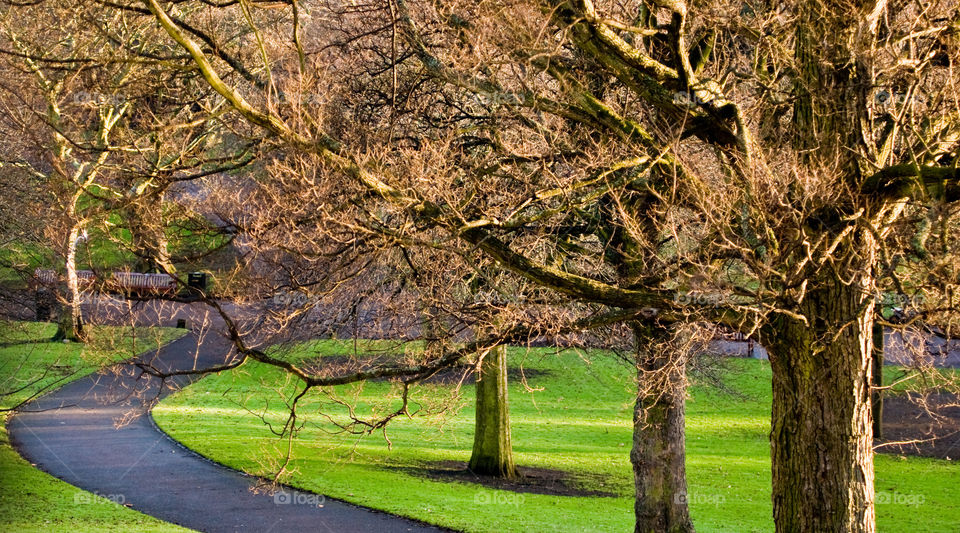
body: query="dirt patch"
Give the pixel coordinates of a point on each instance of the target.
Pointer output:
(926, 426)
(343, 364)
(532, 480)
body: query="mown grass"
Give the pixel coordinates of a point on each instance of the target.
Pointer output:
(577, 420)
(31, 500)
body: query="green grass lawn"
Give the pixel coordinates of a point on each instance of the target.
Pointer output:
(577, 420)
(31, 500)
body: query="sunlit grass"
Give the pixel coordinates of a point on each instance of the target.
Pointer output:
(579, 423)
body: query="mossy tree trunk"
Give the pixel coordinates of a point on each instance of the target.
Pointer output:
(822, 345)
(658, 452)
(492, 450)
(821, 435)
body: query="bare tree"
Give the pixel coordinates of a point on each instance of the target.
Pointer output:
(737, 163)
(69, 166)
(103, 133)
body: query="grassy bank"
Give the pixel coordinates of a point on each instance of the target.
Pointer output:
(577, 421)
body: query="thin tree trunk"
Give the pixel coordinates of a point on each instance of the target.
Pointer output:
(821, 435)
(658, 453)
(877, 381)
(492, 450)
(70, 326)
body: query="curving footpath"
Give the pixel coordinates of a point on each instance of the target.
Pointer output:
(72, 434)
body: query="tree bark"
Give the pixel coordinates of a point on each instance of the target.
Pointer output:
(821, 435)
(821, 349)
(658, 454)
(492, 450)
(70, 324)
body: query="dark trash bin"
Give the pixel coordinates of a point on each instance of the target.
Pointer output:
(198, 281)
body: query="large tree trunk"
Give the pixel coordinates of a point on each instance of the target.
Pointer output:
(492, 451)
(821, 348)
(658, 452)
(821, 435)
(70, 324)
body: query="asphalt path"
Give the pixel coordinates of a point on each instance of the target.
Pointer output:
(96, 433)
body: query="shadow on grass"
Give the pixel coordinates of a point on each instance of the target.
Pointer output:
(532, 480)
(924, 425)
